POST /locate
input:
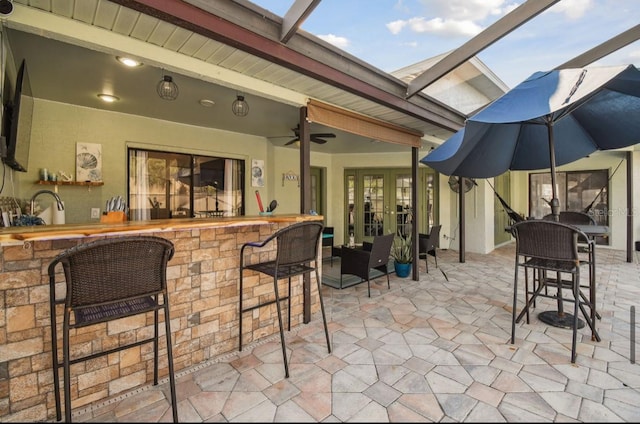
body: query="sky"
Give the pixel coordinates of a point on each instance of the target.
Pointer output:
(392, 34)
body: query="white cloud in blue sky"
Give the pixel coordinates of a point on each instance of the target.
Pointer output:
(391, 34)
(337, 41)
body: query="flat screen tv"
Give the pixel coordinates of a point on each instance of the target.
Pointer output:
(18, 115)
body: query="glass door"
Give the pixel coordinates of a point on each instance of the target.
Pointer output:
(374, 207)
(379, 201)
(403, 210)
(318, 192)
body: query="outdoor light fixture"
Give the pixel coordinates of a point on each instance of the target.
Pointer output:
(240, 107)
(109, 98)
(127, 61)
(167, 89)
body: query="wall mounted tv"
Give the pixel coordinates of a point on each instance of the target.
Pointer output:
(17, 123)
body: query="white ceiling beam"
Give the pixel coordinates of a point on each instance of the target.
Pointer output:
(295, 16)
(604, 49)
(490, 35)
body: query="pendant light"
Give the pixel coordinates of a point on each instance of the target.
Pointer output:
(167, 89)
(239, 106)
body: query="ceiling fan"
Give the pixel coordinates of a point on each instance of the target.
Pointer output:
(314, 137)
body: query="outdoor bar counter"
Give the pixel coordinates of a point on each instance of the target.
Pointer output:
(202, 279)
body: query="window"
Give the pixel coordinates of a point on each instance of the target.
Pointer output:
(179, 185)
(584, 191)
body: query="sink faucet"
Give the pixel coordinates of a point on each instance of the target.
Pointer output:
(55, 196)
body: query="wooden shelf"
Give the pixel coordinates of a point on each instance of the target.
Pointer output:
(74, 183)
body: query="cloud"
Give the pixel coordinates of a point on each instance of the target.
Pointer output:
(475, 10)
(396, 26)
(437, 26)
(453, 18)
(572, 9)
(340, 42)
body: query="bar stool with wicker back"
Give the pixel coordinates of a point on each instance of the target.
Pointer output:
(105, 280)
(548, 246)
(585, 248)
(296, 249)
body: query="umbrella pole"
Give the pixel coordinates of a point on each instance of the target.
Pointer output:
(555, 203)
(556, 318)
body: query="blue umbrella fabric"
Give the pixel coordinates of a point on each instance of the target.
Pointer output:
(550, 119)
(572, 111)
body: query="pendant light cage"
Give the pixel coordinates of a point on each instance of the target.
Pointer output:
(240, 107)
(167, 89)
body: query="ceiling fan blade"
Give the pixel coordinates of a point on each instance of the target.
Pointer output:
(317, 140)
(291, 141)
(324, 135)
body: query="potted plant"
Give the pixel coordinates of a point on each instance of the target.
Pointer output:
(402, 254)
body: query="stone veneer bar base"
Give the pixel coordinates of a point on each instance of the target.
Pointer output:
(203, 282)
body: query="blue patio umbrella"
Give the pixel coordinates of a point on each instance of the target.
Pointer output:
(550, 119)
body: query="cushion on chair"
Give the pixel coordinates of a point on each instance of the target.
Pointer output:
(96, 314)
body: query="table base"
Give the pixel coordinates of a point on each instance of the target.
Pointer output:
(554, 319)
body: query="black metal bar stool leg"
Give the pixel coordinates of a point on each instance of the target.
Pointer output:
(324, 318)
(279, 309)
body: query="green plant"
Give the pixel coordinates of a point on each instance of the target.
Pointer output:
(401, 250)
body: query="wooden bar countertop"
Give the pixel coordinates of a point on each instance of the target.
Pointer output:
(12, 235)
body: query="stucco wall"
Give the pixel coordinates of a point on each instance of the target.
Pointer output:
(57, 127)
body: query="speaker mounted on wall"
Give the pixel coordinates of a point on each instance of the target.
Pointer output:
(6, 7)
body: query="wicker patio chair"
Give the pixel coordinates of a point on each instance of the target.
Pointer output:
(428, 245)
(110, 279)
(297, 253)
(372, 255)
(549, 247)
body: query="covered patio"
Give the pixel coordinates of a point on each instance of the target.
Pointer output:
(427, 350)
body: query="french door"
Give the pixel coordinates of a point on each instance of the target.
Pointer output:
(378, 201)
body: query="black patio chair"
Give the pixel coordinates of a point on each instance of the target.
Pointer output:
(428, 245)
(327, 241)
(549, 247)
(106, 280)
(296, 254)
(372, 255)
(584, 246)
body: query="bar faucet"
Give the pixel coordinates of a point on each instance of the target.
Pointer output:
(55, 196)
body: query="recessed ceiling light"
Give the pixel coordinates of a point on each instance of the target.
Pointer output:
(109, 98)
(207, 103)
(127, 61)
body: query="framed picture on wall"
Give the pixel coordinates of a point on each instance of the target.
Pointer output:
(88, 162)
(257, 173)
